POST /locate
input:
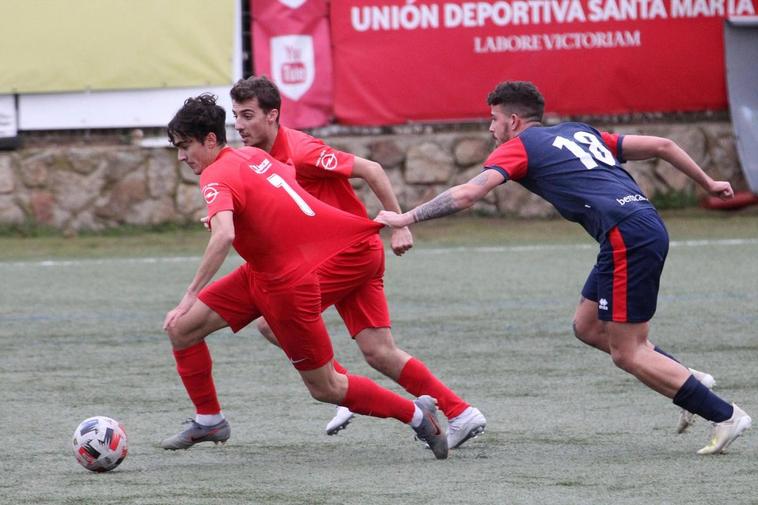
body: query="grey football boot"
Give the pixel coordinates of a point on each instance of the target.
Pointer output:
(430, 430)
(196, 433)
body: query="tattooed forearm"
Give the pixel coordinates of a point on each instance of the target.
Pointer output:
(442, 205)
(479, 180)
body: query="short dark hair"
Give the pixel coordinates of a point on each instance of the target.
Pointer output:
(198, 117)
(259, 87)
(522, 97)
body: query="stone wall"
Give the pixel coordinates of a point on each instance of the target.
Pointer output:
(79, 187)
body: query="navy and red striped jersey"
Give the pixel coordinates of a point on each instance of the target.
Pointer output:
(577, 169)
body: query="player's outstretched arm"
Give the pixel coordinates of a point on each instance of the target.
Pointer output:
(448, 202)
(642, 147)
(376, 178)
(222, 236)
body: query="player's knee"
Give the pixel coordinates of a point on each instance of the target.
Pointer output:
(322, 391)
(381, 357)
(181, 339)
(379, 349)
(373, 356)
(583, 331)
(623, 360)
(578, 330)
(591, 333)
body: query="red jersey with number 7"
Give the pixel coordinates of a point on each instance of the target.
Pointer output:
(322, 171)
(281, 230)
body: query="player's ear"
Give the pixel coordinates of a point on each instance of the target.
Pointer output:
(273, 116)
(210, 141)
(514, 120)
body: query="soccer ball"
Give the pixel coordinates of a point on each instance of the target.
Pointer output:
(100, 443)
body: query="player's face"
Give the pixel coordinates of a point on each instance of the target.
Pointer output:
(193, 153)
(256, 128)
(501, 127)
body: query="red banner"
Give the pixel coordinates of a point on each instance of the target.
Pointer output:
(421, 60)
(291, 46)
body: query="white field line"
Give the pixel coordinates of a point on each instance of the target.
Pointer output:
(575, 247)
(438, 250)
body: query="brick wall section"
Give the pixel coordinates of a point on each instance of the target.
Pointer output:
(77, 187)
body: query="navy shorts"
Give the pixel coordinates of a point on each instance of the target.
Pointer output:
(624, 282)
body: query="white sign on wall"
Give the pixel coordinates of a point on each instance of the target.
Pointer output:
(8, 118)
(110, 109)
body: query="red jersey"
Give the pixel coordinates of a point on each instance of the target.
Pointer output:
(322, 171)
(280, 230)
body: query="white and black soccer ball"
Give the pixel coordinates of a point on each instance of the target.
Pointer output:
(100, 443)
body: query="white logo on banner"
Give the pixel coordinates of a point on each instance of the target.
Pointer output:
(292, 64)
(292, 4)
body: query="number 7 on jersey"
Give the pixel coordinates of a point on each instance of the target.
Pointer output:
(277, 181)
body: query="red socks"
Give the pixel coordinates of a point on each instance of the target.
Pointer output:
(194, 366)
(366, 397)
(418, 380)
(363, 396)
(338, 367)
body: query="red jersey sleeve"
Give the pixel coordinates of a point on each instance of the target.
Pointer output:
(314, 159)
(217, 191)
(613, 141)
(510, 159)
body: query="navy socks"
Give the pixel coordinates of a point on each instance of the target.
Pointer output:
(700, 400)
(661, 351)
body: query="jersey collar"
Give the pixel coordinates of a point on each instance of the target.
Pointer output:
(280, 151)
(224, 150)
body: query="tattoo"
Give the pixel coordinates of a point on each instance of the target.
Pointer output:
(479, 180)
(442, 205)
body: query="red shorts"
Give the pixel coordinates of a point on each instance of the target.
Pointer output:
(294, 314)
(353, 281)
(232, 297)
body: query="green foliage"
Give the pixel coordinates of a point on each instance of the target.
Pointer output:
(32, 229)
(674, 200)
(28, 229)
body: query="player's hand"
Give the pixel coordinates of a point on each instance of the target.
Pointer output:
(721, 189)
(206, 222)
(389, 218)
(188, 300)
(401, 240)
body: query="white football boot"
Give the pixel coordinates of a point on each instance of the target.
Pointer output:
(468, 424)
(725, 432)
(341, 419)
